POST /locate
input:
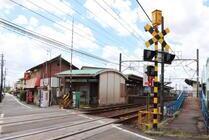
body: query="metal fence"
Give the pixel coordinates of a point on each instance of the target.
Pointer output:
(204, 110)
(174, 106)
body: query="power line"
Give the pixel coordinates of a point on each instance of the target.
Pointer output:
(96, 42)
(144, 11)
(49, 40)
(118, 21)
(121, 18)
(94, 29)
(55, 22)
(107, 23)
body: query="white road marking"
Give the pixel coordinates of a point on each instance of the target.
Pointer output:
(2, 115)
(20, 102)
(81, 115)
(1, 127)
(102, 122)
(127, 131)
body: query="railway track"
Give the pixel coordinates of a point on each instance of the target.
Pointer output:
(121, 113)
(98, 110)
(95, 119)
(52, 129)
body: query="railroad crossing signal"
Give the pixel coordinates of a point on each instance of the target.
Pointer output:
(168, 58)
(153, 56)
(149, 56)
(157, 37)
(150, 71)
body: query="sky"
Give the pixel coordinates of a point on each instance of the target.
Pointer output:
(104, 28)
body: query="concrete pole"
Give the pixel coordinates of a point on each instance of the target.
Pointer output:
(197, 72)
(120, 61)
(1, 86)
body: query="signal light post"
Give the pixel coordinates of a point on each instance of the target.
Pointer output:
(149, 55)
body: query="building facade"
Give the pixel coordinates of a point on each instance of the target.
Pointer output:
(41, 82)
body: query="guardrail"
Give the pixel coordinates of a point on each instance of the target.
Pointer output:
(174, 106)
(204, 110)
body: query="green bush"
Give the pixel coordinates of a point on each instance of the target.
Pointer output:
(22, 95)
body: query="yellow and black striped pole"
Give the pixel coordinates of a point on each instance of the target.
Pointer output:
(155, 98)
(66, 101)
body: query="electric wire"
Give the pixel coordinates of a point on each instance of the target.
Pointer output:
(94, 29)
(119, 16)
(151, 22)
(137, 38)
(83, 36)
(49, 40)
(144, 11)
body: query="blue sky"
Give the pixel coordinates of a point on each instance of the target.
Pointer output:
(111, 36)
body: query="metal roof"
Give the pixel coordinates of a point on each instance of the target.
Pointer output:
(88, 72)
(80, 72)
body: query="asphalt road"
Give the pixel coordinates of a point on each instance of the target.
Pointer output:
(28, 122)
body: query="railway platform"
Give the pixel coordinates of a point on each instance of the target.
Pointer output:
(189, 121)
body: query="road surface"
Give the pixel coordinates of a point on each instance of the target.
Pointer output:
(20, 121)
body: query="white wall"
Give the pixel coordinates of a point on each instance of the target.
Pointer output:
(109, 88)
(54, 82)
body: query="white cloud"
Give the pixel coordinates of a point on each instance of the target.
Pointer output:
(21, 20)
(83, 37)
(5, 4)
(20, 48)
(124, 24)
(33, 22)
(57, 7)
(188, 21)
(20, 54)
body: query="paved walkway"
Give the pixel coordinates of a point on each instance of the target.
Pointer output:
(190, 120)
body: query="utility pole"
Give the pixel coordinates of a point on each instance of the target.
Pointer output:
(71, 59)
(120, 61)
(197, 72)
(5, 78)
(162, 75)
(1, 86)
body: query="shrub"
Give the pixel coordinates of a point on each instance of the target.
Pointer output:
(22, 95)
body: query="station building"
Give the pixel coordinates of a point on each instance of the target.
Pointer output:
(97, 86)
